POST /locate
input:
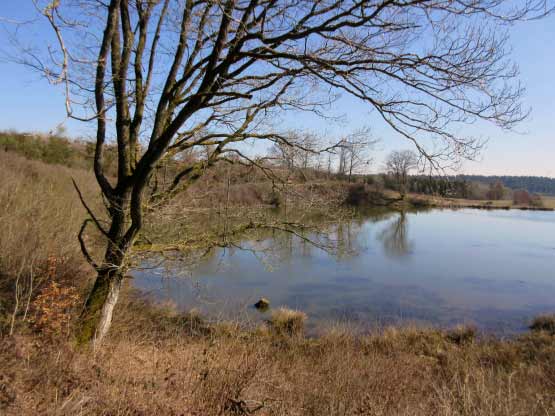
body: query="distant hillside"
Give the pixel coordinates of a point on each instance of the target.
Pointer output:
(534, 184)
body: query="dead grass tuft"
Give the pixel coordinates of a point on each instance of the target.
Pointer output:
(284, 321)
(462, 334)
(544, 323)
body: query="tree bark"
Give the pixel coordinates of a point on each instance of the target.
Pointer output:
(96, 318)
(97, 315)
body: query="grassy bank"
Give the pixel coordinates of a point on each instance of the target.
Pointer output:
(158, 361)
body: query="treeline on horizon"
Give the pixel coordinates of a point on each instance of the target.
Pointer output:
(535, 184)
(57, 148)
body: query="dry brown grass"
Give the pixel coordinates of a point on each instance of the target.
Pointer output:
(547, 203)
(289, 322)
(167, 364)
(40, 216)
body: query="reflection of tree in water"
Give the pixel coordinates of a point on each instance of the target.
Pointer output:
(338, 239)
(395, 237)
(274, 246)
(346, 238)
(277, 247)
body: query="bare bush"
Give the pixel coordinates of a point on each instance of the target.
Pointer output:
(522, 197)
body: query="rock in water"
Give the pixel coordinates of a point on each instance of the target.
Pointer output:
(263, 304)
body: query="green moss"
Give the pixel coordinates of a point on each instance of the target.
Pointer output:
(88, 322)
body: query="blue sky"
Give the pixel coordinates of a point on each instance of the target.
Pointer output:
(29, 103)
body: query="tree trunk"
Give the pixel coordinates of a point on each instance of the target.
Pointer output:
(96, 317)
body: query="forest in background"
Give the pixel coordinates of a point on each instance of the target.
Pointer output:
(536, 184)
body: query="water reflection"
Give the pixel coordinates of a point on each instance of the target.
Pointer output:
(395, 237)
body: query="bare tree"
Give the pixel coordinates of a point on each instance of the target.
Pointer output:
(496, 191)
(161, 77)
(399, 164)
(298, 153)
(284, 155)
(353, 153)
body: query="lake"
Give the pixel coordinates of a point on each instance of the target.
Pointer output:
(492, 269)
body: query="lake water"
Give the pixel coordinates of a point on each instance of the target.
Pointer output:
(492, 269)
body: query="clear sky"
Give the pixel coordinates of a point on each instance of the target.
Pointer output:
(28, 103)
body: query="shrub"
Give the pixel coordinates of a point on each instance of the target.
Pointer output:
(522, 197)
(274, 199)
(51, 149)
(419, 202)
(359, 195)
(536, 201)
(54, 307)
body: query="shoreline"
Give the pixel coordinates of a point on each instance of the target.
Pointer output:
(493, 207)
(419, 200)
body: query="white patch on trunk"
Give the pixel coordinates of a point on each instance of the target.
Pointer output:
(107, 311)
